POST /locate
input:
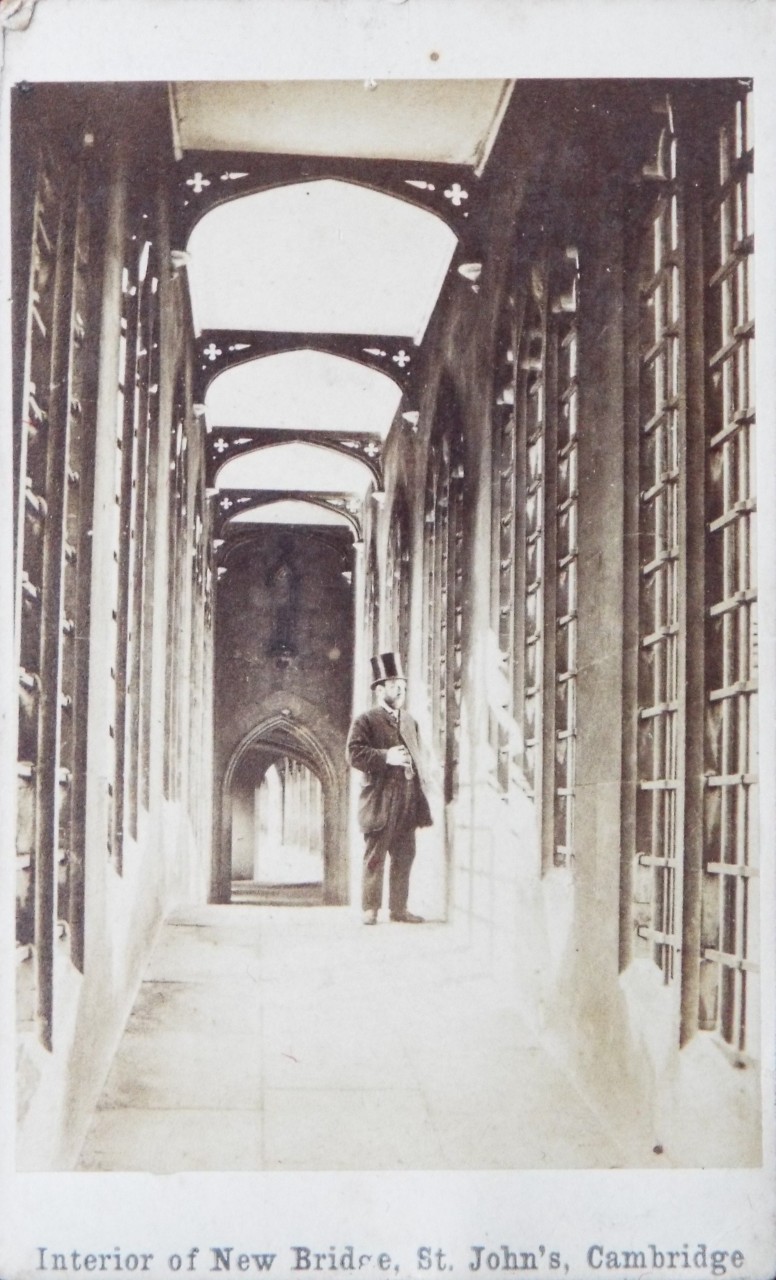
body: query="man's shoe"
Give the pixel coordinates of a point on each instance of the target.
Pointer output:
(370, 917)
(406, 917)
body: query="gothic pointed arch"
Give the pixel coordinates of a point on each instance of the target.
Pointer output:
(295, 467)
(287, 511)
(293, 737)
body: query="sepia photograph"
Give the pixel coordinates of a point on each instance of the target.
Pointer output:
(387, 685)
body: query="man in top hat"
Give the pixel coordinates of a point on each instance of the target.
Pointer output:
(383, 744)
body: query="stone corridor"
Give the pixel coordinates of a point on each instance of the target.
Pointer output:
(292, 1038)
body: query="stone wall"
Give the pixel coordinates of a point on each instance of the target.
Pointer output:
(284, 660)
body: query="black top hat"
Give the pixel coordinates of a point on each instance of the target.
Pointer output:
(386, 666)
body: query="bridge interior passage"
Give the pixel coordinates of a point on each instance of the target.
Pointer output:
(306, 372)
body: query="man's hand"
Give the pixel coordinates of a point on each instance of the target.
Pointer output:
(398, 756)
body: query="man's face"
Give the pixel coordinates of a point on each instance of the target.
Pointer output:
(394, 693)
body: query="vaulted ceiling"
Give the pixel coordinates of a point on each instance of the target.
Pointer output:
(322, 219)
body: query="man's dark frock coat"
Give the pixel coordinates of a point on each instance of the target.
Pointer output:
(391, 806)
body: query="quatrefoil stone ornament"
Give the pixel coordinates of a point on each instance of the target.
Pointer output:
(456, 194)
(198, 183)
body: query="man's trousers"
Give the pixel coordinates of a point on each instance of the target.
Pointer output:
(401, 846)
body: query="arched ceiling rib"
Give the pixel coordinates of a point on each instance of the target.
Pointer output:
(322, 219)
(295, 467)
(303, 391)
(325, 256)
(290, 511)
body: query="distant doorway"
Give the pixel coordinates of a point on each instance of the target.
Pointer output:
(283, 817)
(276, 830)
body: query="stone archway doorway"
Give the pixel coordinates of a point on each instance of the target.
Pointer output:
(283, 819)
(277, 829)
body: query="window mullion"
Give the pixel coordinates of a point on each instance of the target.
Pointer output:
(125, 497)
(566, 505)
(657, 880)
(729, 970)
(51, 780)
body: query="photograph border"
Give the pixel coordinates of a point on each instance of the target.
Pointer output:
(562, 1211)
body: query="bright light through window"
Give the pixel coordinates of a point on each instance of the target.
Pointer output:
(319, 257)
(303, 391)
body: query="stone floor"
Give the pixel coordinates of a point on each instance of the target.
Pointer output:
(294, 1038)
